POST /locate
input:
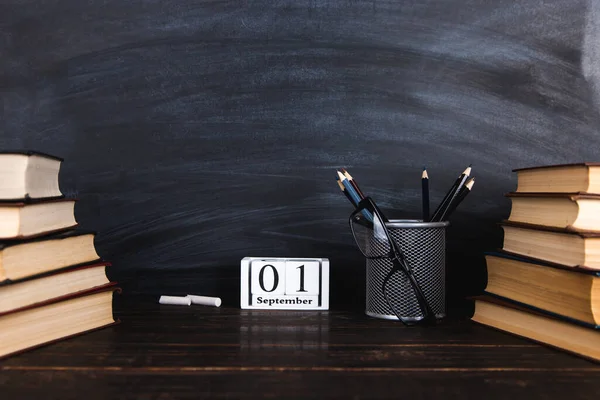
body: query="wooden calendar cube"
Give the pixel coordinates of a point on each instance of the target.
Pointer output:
(285, 283)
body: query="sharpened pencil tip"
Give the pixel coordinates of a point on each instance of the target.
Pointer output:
(470, 184)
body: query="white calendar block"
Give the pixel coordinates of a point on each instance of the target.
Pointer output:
(302, 278)
(285, 283)
(267, 276)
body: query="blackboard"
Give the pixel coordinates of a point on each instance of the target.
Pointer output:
(199, 132)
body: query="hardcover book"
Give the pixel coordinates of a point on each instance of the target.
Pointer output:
(563, 178)
(577, 249)
(572, 293)
(571, 211)
(22, 258)
(20, 220)
(542, 327)
(29, 175)
(15, 295)
(58, 319)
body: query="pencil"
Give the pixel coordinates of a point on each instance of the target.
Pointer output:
(460, 186)
(355, 197)
(343, 189)
(349, 188)
(353, 183)
(464, 192)
(451, 194)
(425, 194)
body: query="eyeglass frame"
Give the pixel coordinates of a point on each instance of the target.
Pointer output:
(399, 263)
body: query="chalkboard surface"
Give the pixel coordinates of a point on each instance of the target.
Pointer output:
(199, 132)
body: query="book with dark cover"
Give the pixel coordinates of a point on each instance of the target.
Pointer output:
(44, 216)
(63, 270)
(583, 177)
(59, 235)
(32, 153)
(537, 261)
(29, 201)
(55, 298)
(572, 211)
(68, 281)
(568, 165)
(537, 325)
(571, 196)
(27, 257)
(549, 287)
(568, 247)
(29, 174)
(505, 301)
(524, 225)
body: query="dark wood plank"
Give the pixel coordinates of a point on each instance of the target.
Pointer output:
(154, 336)
(298, 384)
(201, 352)
(256, 355)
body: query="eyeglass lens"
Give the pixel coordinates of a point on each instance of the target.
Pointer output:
(370, 236)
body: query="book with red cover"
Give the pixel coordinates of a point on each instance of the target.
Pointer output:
(37, 289)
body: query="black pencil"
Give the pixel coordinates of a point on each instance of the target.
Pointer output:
(442, 208)
(425, 194)
(464, 192)
(461, 185)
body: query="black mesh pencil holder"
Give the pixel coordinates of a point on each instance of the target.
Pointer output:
(424, 245)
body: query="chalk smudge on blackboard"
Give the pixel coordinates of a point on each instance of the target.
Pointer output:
(591, 48)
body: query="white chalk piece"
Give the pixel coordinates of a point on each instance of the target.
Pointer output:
(177, 300)
(205, 300)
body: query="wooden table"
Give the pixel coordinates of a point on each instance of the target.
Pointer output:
(175, 352)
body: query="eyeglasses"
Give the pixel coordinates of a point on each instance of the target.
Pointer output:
(374, 241)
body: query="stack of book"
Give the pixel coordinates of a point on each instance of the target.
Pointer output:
(544, 284)
(53, 284)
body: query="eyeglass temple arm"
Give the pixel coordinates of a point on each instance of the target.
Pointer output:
(408, 322)
(423, 303)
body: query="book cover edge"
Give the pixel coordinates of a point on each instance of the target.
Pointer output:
(30, 202)
(501, 253)
(63, 270)
(38, 235)
(567, 165)
(30, 153)
(567, 231)
(62, 234)
(517, 305)
(98, 289)
(573, 196)
(116, 321)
